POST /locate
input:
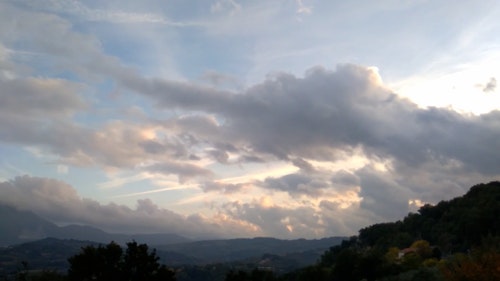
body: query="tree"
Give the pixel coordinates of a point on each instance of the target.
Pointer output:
(481, 264)
(110, 262)
(254, 275)
(423, 248)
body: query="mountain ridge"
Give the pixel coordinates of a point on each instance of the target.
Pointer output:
(21, 226)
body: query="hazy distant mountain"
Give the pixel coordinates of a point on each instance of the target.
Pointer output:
(22, 226)
(50, 253)
(19, 226)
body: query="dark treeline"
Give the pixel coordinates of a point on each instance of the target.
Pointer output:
(454, 240)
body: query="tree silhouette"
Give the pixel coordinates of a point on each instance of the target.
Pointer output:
(110, 262)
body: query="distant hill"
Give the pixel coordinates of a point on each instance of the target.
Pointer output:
(211, 251)
(20, 226)
(48, 253)
(52, 253)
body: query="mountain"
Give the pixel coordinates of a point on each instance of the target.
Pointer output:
(20, 226)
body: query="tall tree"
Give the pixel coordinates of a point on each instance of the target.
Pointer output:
(110, 262)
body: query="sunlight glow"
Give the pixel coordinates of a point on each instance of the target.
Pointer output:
(470, 87)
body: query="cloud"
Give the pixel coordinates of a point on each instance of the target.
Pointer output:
(329, 112)
(38, 97)
(54, 82)
(60, 202)
(299, 183)
(303, 9)
(491, 85)
(29, 107)
(327, 218)
(62, 169)
(382, 196)
(324, 116)
(181, 169)
(229, 6)
(327, 116)
(111, 15)
(221, 80)
(277, 221)
(221, 187)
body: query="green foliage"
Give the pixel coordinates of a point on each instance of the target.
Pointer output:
(110, 262)
(47, 275)
(481, 264)
(317, 273)
(24, 273)
(458, 224)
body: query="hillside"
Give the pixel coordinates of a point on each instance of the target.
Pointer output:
(48, 253)
(238, 249)
(457, 239)
(454, 225)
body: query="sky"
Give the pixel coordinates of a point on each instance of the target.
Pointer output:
(229, 118)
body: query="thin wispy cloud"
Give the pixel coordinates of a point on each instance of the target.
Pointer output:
(155, 191)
